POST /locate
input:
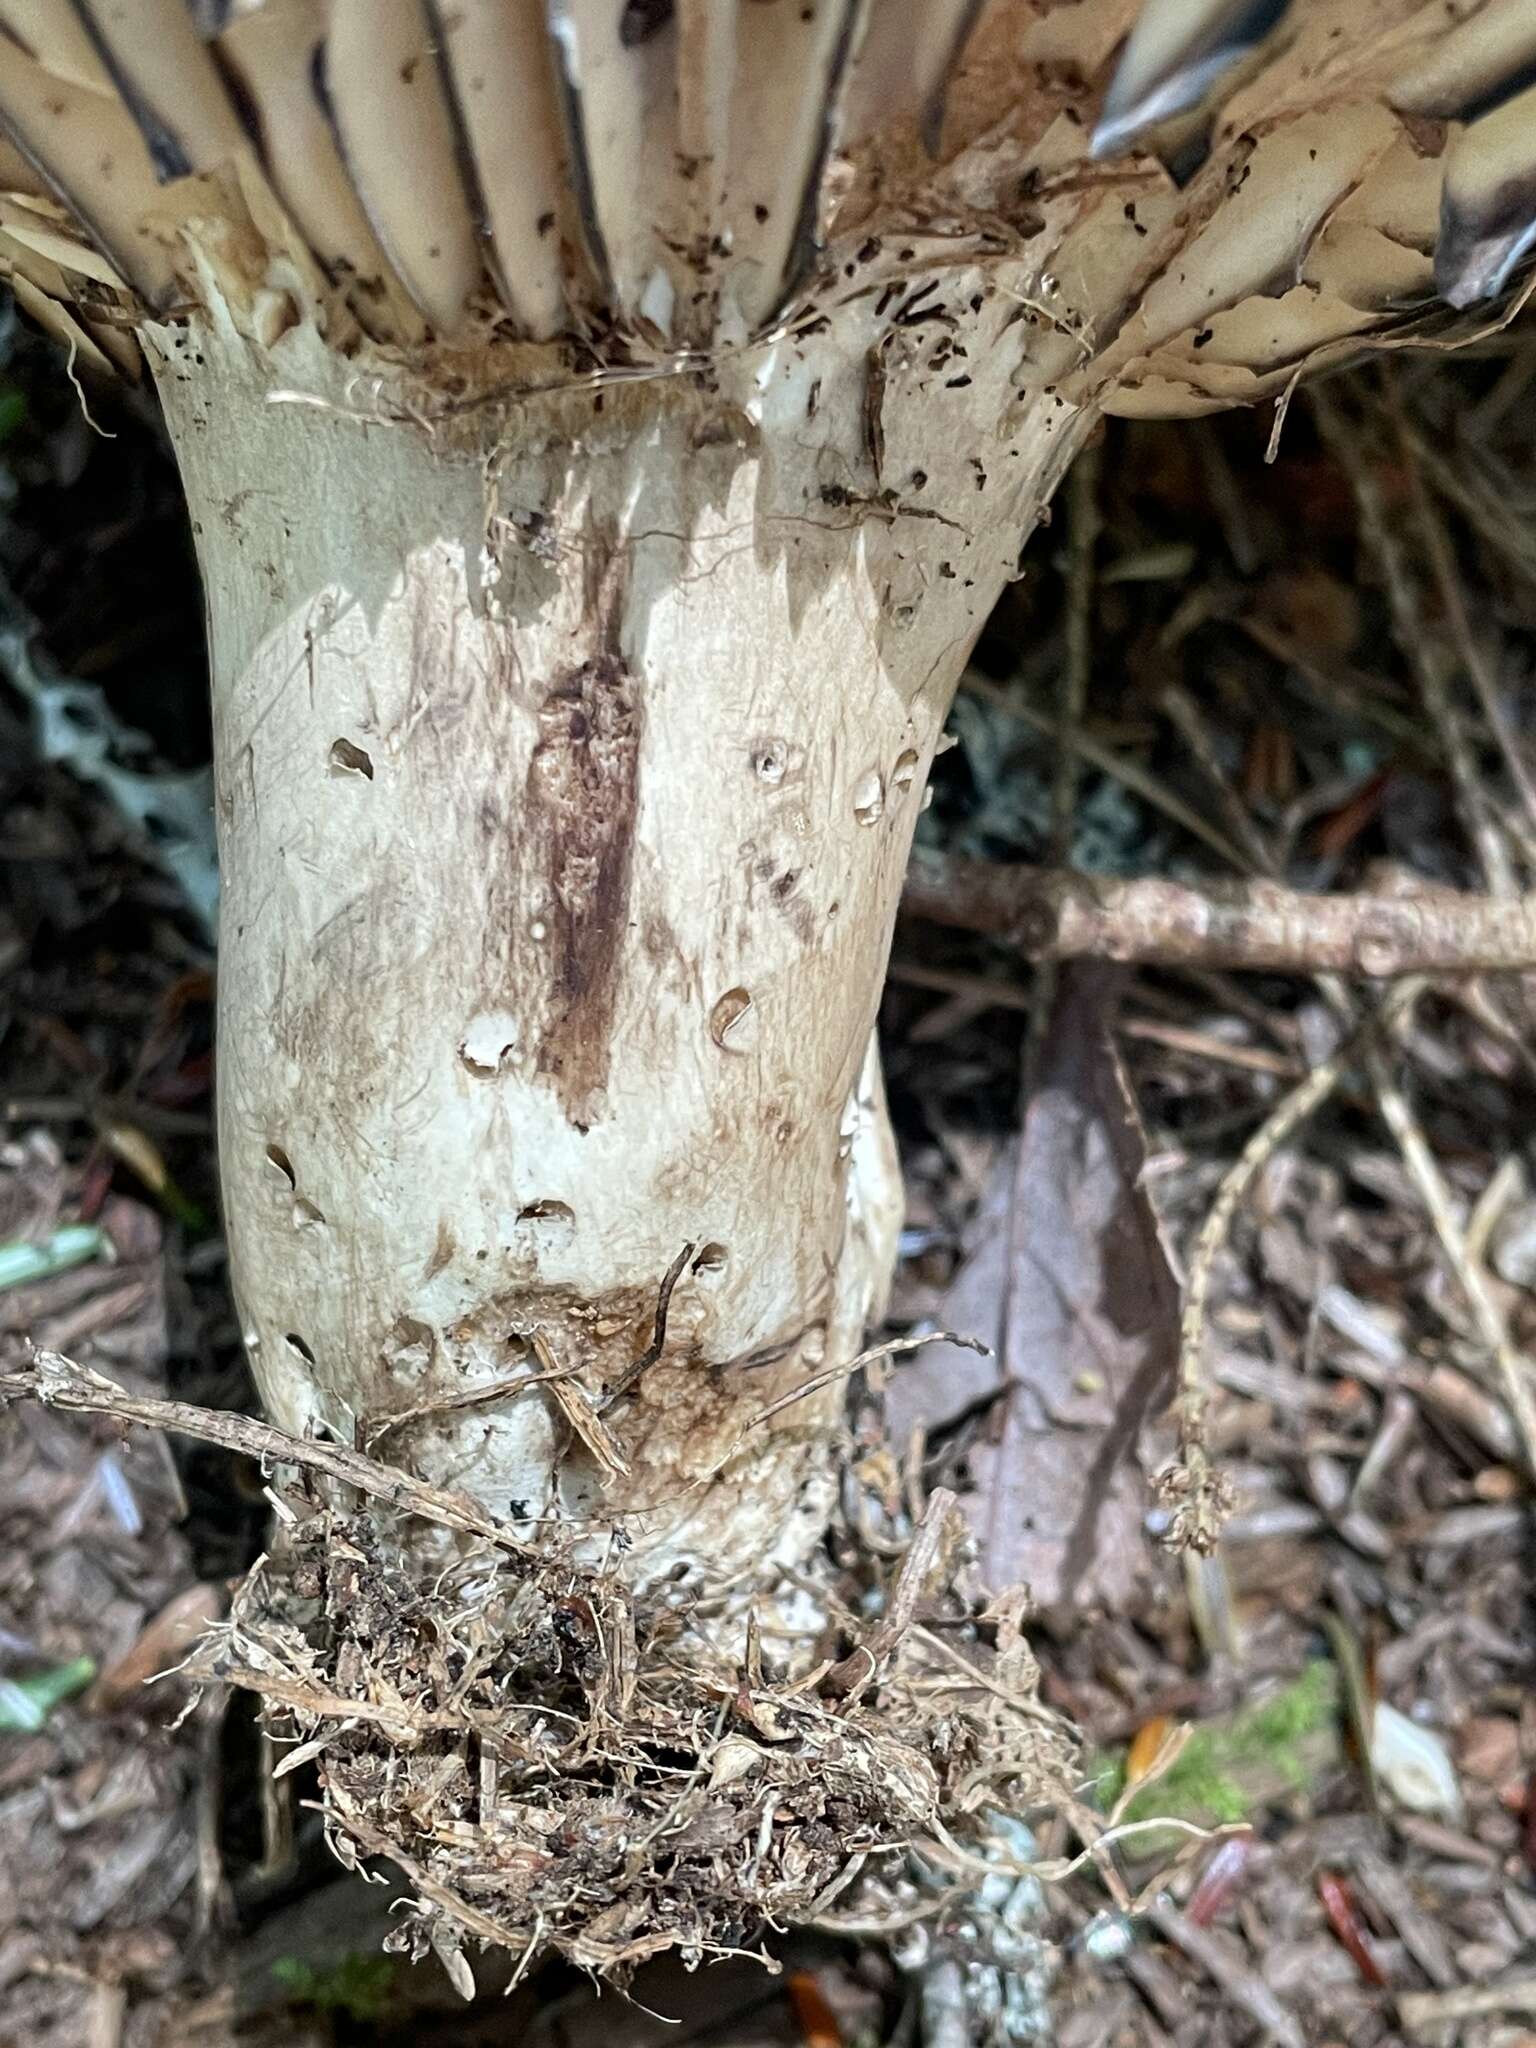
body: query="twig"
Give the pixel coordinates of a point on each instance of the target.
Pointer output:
(58, 1382)
(1476, 495)
(109, 2002)
(1120, 766)
(1425, 1173)
(1344, 691)
(978, 991)
(1198, 1509)
(1240, 1985)
(1204, 1045)
(893, 1348)
(471, 1397)
(277, 1845)
(1420, 2010)
(1256, 925)
(575, 1404)
(1443, 567)
(848, 1678)
(212, 1887)
(1194, 729)
(653, 1350)
(1423, 650)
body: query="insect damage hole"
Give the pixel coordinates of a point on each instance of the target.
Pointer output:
(544, 1225)
(278, 1159)
(770, 762)
(297, 1345)
(869, 798)
(345, 758)
(489, 1044)
(731, 1021)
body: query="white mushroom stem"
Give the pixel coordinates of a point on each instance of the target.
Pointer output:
(568, 755)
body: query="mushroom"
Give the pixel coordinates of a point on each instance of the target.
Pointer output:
(606, 424)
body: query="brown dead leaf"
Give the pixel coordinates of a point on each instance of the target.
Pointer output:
(1068, 1278)
(160, 1646)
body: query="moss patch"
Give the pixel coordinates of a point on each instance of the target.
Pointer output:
(359, 1985)
(1231, 1767)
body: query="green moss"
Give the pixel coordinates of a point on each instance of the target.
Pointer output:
(359, 1985)
(1230, 1766)
(1296, 1711)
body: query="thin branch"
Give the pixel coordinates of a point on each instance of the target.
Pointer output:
(1424, 651)
(1121, 767)
(58, 1382)
(1258, 925)
(894, 1347)
(1474, 658)
(1198, 1509)
(1424, 1170)
(470, 1397)
(1422, 2010)
(657, 1345)
(1245, 1989)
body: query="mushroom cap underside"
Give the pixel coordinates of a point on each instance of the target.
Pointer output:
(1206, 196)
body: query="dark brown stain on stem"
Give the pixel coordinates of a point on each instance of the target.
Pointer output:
(576, 838)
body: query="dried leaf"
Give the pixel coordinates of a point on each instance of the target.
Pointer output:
(1070, 1278)
(160, 1645)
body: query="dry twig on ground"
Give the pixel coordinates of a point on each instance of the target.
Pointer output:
(1257, 925)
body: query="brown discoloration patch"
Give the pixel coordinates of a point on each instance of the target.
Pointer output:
(682, 1418)
(580, 803)
(443, 1249)
(783, 881)
(573, 858)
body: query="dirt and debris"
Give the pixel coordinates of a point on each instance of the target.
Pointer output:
(111, 1874)
(557, 1764)
(1343, 1684)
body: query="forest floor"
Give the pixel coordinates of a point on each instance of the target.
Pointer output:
(1314, 669)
